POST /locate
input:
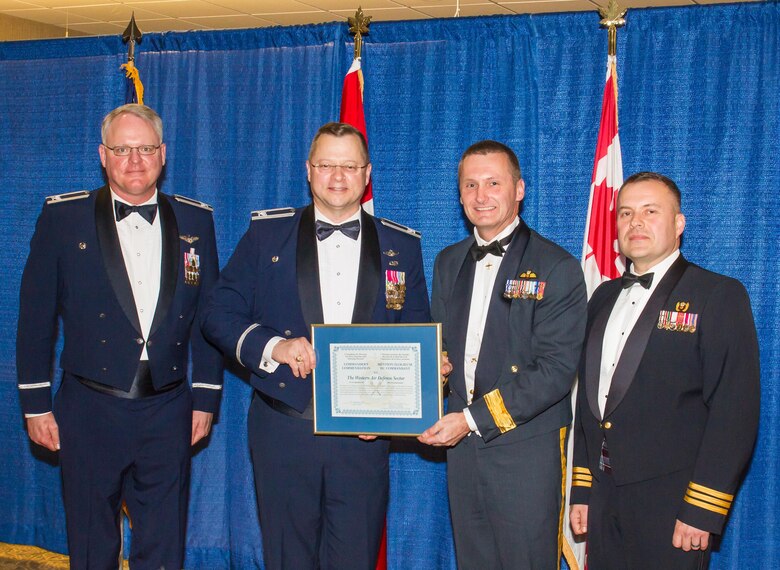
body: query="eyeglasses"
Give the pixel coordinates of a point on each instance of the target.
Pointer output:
(327, 168)
(124, 151)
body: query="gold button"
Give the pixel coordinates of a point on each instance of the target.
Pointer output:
(471, 392)
(607, 425)
(139, 341)
(515, 368)
(275, 258)
(82, 245)
(473, 359)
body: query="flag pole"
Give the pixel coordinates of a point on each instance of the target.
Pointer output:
(135, 89)
(352, 111)
(601, 260)
(612, 18)
(358, 27)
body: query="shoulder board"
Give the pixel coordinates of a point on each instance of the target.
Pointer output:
(400, 228)
(272, 213)
(57, 198)
(191, 202)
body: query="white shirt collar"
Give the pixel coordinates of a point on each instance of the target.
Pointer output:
(501, 235)
(152, 200)
(659, 269)
(322, 217)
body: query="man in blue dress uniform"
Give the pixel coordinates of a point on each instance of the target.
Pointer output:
(126, 269)
(321, 499)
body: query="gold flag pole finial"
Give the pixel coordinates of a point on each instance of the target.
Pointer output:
(358, 27)
(612, 18)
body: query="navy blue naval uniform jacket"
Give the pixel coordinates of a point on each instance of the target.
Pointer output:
(270, 287)
(76, 271)
(679, 399)
(529, 357)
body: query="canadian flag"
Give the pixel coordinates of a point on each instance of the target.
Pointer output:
(352, 113)
(601, 259)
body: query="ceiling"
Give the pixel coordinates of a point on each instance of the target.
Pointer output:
(107, 17)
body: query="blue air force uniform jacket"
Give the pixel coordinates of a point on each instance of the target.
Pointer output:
(270, 287)
(684, 395)
(531, 345)
(76, 271)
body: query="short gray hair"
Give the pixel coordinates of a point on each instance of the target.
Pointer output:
(141, 111)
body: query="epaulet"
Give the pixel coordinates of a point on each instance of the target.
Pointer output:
(400, 228)
(191, 202)
(272, 213)
(58, 198)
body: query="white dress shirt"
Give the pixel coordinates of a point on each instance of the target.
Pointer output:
(141, 244)
(484, 280)
(339, 263)
(628, 307)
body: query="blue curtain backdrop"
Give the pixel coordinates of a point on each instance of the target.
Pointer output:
(699, 101)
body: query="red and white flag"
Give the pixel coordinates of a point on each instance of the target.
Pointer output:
(352, 113)
(601, 259)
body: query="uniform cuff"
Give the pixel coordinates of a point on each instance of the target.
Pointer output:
(267, 363)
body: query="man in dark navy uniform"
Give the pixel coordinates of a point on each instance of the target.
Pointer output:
(126, 269)
(512, 306)
(321, 499)
(667, 410)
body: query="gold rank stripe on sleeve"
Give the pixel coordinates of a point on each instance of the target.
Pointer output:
(497, 409)
(581, 477)
(708, 499)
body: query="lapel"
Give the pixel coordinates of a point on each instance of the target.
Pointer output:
(307, 269)
(112, 255)
(458, 318)
(170, 260)
(369, 271)
(595, 344)
(497, 322)
(636, 344)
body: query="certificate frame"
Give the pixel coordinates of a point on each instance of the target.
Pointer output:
(411, 339)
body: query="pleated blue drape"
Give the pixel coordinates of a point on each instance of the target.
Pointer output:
(699, 98)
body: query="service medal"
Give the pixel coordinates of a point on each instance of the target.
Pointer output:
(395, 289)
(191, 267)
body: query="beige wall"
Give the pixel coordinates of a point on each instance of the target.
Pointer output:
(18, 29)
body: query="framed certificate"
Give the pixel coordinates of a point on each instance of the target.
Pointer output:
(376, 379)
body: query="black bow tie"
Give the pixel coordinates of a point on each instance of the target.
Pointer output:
(123, 210)
(478, 252)
(325, 230)
(629, 279)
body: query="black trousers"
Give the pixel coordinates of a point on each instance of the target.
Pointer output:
(505, 502)
(321, 499)
(114, 449)
(630, 527)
